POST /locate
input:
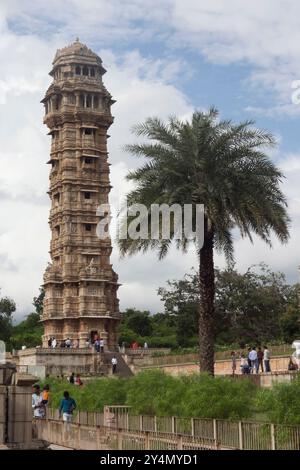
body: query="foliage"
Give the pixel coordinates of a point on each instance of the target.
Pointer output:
(157, 330)
(154, 392)
(282, 404)
(211, 162)
(7, 308)
(218, 397)
(138, 321)
(92, 396)
(28, 332)
(181, 300)
(289, 323)
(38, 301)
(256, 306)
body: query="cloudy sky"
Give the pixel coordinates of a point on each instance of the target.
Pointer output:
(162, 57)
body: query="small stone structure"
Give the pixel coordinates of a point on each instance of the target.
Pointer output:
(57, 362)
(15, 408)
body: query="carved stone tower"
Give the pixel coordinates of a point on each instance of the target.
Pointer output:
(80, 284)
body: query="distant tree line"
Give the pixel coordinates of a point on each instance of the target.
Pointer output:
(250, 308)
(28, 332)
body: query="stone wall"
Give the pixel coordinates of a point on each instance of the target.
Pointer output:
(15, 407)
(278, 364)
(59, 362)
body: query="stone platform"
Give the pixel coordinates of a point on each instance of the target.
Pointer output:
(44, 362)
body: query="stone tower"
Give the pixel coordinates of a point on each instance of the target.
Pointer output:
(80, 284)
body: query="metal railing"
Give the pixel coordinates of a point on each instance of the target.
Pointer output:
(244, 435)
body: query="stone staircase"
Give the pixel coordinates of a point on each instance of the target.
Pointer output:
(123, 370)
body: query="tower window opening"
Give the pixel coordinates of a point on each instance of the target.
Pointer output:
(56, 199)
(96, 102)
(92, 72)
(85, 71)
(78, 70)
(88, 227)
(88, 160)
(88, 102)
(57, 230)
(87, 195)
(82, 101)
(88, 131)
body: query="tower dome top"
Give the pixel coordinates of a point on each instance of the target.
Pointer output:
(76, 52)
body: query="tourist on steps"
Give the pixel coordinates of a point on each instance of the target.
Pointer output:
(114, 363)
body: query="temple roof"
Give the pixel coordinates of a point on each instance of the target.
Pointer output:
(76, 49)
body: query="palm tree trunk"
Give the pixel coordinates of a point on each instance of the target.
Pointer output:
(206, 307)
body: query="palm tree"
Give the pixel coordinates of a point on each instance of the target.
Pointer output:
(221, 165)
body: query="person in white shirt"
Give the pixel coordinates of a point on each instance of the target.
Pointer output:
(254, 360)
(54, 343)
(37, 405)
(114, 364)
(101, 342)
(68, 343)
(267, 359)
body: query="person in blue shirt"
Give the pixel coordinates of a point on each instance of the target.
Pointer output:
(67, 406)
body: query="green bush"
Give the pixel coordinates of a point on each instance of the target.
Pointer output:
(154, 392)
(282, 405)
(217, 397)
(92, 396)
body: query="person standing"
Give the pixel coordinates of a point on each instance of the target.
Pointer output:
(97, 345)
(54, 343)
(253, 359)
(66, 408)
(260, 357)
(267, 359)
(72, 378)
(101, 342)
(233, 362)
(68, 343)
(248, 359)
(37, 403)
(114, 363)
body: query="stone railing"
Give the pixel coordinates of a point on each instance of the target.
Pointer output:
(145, 351)
(83, 437)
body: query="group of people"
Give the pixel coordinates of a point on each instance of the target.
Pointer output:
(256, 359)
(65, 343)
(40, 401)
(75, 380)
(99, 345)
